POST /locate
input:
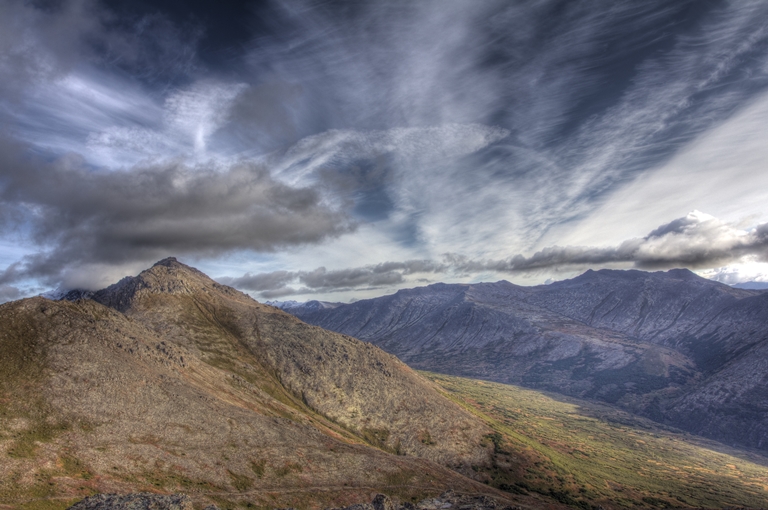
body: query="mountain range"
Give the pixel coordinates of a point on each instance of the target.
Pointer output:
(170, 382)
(672, 346)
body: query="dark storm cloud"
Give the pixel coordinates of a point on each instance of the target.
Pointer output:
(9, 293)
(277, 283)
(38, 44)
(73, 215)
(262, 281)
(322, 279)
(76, 215)
(694, 241)
(11, 273)
(43, 40)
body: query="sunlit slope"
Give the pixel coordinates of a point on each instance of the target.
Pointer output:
(589, 454)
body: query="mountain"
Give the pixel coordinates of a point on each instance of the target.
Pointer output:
(307, 305)
(672, 346)
(169, 381)
(732, 403)
(752, 285)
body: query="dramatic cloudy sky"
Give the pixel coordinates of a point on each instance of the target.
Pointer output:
(341, 150)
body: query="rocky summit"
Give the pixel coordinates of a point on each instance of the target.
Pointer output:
(680, 349)
(168, 381)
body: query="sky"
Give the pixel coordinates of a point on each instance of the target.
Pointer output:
(343, 150)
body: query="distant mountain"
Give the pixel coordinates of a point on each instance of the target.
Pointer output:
(313, 305)
(170, 381)
(752, 285)
(69, 295)
(672, 346)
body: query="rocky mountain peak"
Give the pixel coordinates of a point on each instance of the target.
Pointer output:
(684, 274)
(167, 276)
(168, 261)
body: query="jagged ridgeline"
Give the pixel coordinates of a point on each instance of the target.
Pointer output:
(169, 381)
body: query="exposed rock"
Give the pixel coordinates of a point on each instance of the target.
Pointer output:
(448, 500)
(141, 501)
(382, 502)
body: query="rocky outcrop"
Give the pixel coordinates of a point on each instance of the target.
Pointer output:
(448, 500)
(145, 501)
(140, 501)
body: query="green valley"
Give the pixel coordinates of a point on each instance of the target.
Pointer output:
(586, 454)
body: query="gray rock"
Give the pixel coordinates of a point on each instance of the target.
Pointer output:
(382, 502)
(445, 501)
(140, 501)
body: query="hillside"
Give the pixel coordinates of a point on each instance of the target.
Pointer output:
(575, 449)
(668, 345)
(168, 381)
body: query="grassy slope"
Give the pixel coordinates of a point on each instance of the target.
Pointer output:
(587, 454)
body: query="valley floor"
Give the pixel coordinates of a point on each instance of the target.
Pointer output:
(583, 454)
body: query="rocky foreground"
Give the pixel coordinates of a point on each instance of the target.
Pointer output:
(145, 501)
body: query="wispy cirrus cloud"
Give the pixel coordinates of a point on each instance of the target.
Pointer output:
(590, 99)
(182, 127)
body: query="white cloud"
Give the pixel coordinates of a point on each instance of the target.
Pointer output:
(200, 110)
(749, 270)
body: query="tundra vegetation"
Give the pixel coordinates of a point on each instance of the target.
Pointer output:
(581, 451)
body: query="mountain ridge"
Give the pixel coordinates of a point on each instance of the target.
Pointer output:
(185, 384)
(647, 342)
